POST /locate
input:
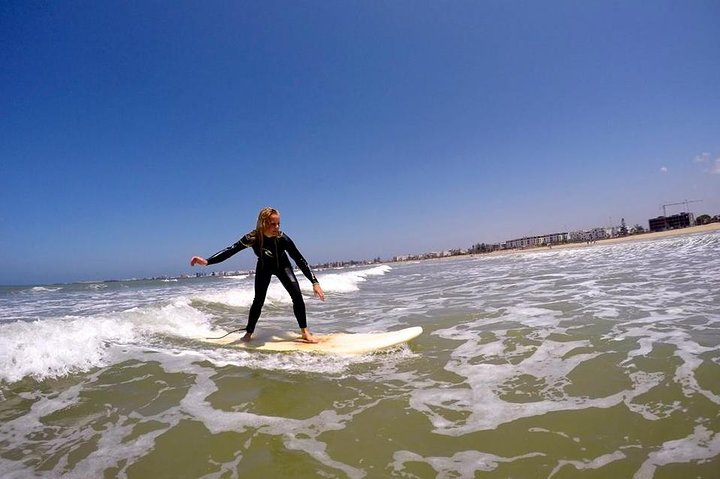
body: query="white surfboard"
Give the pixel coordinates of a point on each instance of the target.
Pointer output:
(337, 343)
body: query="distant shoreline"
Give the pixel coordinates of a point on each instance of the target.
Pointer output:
(625, 239)
(533, 249)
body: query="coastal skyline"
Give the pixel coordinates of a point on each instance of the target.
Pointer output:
(134, 136)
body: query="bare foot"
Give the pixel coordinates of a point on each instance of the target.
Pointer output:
(309, 338)
(246, 338)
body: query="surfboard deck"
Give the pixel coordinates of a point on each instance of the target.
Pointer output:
(336, 343)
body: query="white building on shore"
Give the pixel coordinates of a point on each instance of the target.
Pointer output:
(594, 234)
(533, 241)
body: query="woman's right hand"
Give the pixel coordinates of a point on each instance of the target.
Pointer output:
(198, 260)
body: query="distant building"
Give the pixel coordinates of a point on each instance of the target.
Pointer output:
(520, 242)
(594, 234)
(553, 238)
(544, 240)
(681, 220)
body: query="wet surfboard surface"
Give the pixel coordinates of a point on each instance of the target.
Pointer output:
(335, 343)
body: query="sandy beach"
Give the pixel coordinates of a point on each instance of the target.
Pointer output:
(638, 237)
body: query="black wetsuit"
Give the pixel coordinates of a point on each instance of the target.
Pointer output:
(272, 260)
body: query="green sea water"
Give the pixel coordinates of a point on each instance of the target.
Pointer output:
(594, 363)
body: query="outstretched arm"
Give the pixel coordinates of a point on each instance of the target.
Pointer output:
(224, 254)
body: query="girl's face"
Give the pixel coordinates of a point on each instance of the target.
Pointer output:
(271, 228)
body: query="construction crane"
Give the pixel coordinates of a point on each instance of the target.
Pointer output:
(686, 202)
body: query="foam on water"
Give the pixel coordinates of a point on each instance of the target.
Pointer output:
(45, 289)
(702, 444)
(153, 333)
(628, 330)
(300, 435)
(651, 313)
(551, 361)
(344, 281)
(462, 465)
(114, 450)
(57, 346)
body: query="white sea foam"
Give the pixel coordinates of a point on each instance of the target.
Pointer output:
(461, 465)
(508, 340)
(54, 347)
(242, 293)
(297, 434)
(701, 445)
(481, 395)
(595, 463)
(45, 289)
(114, 450)
(644, 306)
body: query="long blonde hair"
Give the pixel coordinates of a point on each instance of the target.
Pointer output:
(263, 217)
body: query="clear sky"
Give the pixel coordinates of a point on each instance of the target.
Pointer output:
(136, 134)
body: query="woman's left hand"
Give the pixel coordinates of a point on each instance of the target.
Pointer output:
(318, 291)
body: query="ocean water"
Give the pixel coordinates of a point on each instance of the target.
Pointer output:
(580, 363)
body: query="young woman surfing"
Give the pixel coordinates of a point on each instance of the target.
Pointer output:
(272, 248)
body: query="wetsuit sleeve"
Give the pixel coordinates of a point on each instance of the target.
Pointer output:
(222, 255)
(299, 259)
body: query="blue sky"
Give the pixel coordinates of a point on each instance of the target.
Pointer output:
(136, 134)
